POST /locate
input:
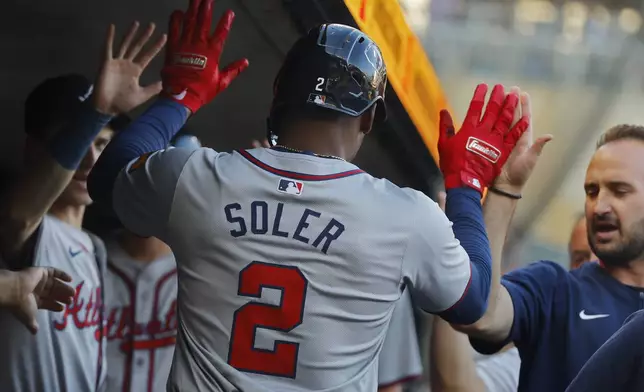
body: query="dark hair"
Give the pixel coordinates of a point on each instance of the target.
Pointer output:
(621, 132)
(54, 102)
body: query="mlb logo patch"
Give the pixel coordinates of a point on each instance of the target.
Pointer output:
(317, 99)
(290, 186)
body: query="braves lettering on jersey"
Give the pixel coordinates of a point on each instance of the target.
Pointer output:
(141, 321)
(64, 355)
(284, 291)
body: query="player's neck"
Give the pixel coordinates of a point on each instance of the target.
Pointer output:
(326, 140)
(72, 215)
(631, 275)
(142, 249)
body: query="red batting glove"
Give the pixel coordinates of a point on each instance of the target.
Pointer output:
(191, 74)
(475, 155)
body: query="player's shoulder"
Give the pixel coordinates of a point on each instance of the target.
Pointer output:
(186, 154)
(542, 272)
(177, 161)
(176, 154)
(393, 193)
(592, 274)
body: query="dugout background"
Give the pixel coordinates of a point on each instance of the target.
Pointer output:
(43, 39)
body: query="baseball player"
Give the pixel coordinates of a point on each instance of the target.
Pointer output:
(399, 361)
(141, 307)
(141, 318)
(294, 291)
(67, 128)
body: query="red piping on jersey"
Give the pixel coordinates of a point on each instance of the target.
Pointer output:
(157, 343)
(467, 287)
(127, 373)
(295, 175)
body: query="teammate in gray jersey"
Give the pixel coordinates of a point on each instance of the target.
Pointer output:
(40, 220)
(291, 259)
(141, 307)
(141, 312)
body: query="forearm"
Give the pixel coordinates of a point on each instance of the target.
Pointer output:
(496, 323)
(452, 366)
(463, 208)
(152, 131)
(44, 179)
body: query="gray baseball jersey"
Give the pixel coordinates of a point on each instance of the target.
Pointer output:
(64, 355)
(500, 371)
(141, 321)
(289, 264)
(399, 359)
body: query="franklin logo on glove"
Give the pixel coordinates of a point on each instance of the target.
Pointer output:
(190, 60)
(483, 149)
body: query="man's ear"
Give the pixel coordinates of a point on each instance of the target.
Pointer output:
(366, 120)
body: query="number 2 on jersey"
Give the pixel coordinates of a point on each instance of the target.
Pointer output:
(242, 354)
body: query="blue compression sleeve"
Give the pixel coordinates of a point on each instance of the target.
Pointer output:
(70, 145)
(464, 209)
(150, 132)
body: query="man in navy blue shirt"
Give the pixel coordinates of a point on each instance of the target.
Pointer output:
(558, 319)
(617, 365)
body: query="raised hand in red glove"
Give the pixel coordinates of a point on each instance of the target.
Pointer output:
(191, 75)
(474, 156)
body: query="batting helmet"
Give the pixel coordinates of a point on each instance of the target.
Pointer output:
(333, 67)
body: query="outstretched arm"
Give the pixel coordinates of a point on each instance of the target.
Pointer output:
(497, 321)
(452, 364)
(191, 78)
(453, 271)
(116, 91)
(452, 367)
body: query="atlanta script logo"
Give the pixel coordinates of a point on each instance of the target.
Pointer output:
(159, 332)
(83, 312)
(483, 149)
